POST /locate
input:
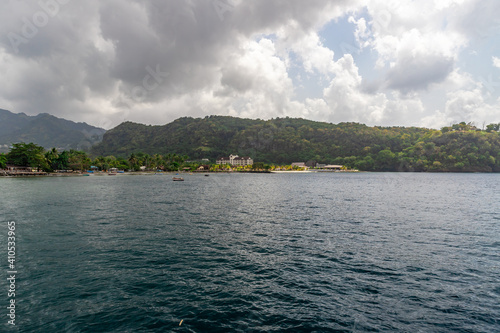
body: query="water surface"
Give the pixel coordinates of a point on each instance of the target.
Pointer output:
(256, 253)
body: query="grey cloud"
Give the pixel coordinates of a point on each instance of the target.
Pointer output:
(413, 73)
(237, 80)
(189, 40)
(371, 86)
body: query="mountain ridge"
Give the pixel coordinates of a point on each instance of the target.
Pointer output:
(47, 131)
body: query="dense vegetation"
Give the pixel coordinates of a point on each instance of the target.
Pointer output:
(34, 156)
(461, 147)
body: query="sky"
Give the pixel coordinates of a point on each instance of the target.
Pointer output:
(428, 63)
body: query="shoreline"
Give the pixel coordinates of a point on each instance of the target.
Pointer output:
(173, 173)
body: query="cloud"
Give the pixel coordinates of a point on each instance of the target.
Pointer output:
(464, 105)
(345, 98)
(496, 62)
(106, 62)
(417, 72)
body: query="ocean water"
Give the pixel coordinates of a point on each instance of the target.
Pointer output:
(317, 252)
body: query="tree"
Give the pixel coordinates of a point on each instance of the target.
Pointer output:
(78, 160)
(493, 128)
(29, 155)
(147, 161)
(3, 161)
(385, 160)
(62, 162)
(258, 166)
(132, 160)
(51, 156)
(99, 162)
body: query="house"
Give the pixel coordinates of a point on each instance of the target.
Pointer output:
(299, 165)
(13, 170)
(19, 169)
(235, 160)
(333, 167)
(223, 160)
(204, 167)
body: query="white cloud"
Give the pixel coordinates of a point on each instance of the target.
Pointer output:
(345, 98)
(496, 62)
(313, 55)
(463, 105)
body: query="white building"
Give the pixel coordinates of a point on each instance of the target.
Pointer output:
(333, 167)
(235, 160)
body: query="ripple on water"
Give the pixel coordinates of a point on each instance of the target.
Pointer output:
(259, 253)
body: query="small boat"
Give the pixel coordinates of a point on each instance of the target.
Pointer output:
(177, 179)
(207, 175)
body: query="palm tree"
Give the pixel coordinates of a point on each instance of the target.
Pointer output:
(157, 160)
(99, 162)
(132, 160)
(51, 156)
(147, 161)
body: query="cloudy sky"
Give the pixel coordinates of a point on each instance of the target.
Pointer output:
(379, 62)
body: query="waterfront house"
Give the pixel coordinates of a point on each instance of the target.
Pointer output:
(235, 160)
(333, 167)
(13, 170)
(18, 169)
(299, 164)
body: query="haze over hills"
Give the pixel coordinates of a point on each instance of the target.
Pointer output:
(47, 131)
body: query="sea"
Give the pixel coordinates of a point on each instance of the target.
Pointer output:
(298, 252)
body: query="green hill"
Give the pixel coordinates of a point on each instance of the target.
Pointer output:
(47, 131)
(287, 140)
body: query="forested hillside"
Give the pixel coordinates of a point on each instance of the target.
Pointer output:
(47, 131)
(461, 147)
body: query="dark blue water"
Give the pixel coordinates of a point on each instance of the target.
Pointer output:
(363, 252)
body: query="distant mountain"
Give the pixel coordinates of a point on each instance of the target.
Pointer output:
(47, 131)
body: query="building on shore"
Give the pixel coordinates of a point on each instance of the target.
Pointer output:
(19, 169)
(300, 165)
(13, 170)
(235, 160)
(333, 167)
